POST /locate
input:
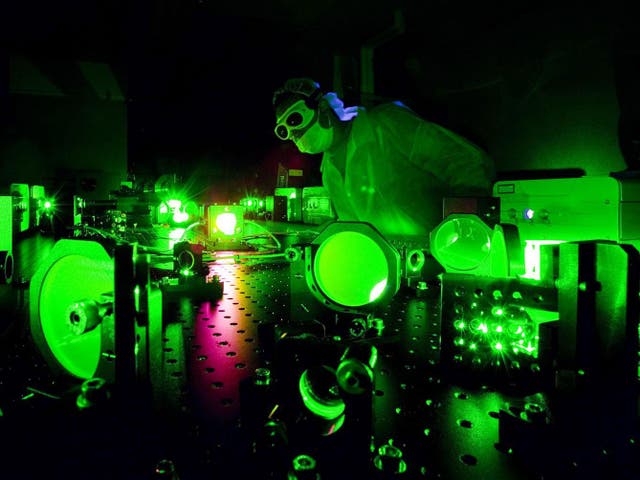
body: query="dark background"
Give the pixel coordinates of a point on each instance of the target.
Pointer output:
(94, 91)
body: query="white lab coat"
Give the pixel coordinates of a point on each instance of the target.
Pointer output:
(397, 169)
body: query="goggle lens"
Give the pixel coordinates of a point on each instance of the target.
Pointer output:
(300, 117)
(294, 119)
(282, 132)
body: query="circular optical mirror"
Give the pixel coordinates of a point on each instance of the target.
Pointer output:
(320, 393)
(461, 243)
(69, 279)
(6, 267)
(185, 259)
(351, 269)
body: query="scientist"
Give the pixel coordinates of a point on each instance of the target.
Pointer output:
(384, 165)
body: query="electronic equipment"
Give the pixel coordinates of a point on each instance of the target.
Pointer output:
(294, 202)
(280, 208)
(254, 207)
(22, 205)
(551, 211)
(316, 206)
(6, 238)
(40, 205)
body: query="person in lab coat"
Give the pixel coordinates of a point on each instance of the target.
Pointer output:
(384, 165)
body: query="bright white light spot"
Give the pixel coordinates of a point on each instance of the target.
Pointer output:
(452, 239)
(377, 290)
(175, 235)
(179, 217)
(226, 223)
(532, 257)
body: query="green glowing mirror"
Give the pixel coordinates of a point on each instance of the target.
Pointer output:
(352, 266)
(351, 269)
(75, 271)
(318, 390)
(461, 242)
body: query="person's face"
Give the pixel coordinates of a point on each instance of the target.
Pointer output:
(299, 124)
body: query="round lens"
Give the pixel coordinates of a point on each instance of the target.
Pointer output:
(461, 243)
(351, 269)
(282, 132)
(294, 119)
(68, 280)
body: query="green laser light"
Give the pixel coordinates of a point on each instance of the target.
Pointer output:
(318, 399)
(226, 223)
(365, 276)
(180, 216)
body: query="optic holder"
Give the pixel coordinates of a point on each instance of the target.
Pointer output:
(336, 249)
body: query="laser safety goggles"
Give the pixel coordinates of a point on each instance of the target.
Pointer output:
(297, 117)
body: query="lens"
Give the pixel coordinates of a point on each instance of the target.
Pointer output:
(282, 132)
(294, 119)
(462, 242)
(351, 269)
(320, 393)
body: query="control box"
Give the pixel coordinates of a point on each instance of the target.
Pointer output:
(6, 238)
(572, 209)
(22, 205)
(294, 202)
(316, 206)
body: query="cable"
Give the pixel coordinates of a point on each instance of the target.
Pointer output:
(267, 231)
(44, 394)
(250, 257)
(250, 238)
(104, 233)
(193, 225)
(141, 248)
(324, 327)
